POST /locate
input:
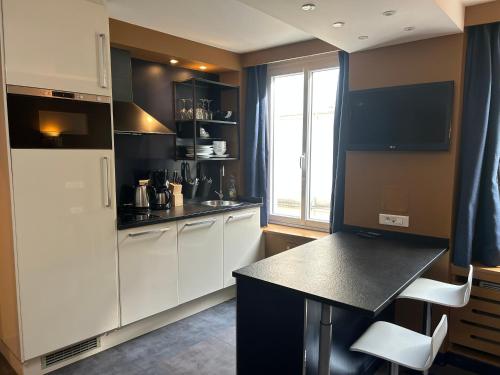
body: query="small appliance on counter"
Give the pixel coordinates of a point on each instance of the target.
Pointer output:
(161, 198)
(143, 194)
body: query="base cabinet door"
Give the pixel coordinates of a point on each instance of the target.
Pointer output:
(243, 242)
(148, 271)
(200, 257)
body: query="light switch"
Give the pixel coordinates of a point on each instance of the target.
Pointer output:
(394, 220)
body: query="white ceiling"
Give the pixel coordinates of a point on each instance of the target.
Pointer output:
(429, 18)
(248, 25)
(227, 24)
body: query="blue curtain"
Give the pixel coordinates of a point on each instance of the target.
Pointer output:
(339, 145)
(477, 232)
(256, 142)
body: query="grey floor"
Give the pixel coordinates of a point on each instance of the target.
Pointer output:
(203, 344)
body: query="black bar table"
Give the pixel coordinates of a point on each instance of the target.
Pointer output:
(286, 304)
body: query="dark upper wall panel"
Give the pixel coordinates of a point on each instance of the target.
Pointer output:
(153, 87)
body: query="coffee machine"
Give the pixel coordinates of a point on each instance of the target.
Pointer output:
(161, 198)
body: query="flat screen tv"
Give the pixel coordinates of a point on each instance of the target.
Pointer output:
(415, 117)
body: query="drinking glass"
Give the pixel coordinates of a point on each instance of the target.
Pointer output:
(210, 114)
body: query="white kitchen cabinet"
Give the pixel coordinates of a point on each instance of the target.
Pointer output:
(57, 44)
(148, 270)
(200, 248)
(243, 243)
(65, 232)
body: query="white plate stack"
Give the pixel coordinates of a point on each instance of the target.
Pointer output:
(220, 149)
(202, 151)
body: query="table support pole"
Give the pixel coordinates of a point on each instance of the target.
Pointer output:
(428, 323)
(325, 339)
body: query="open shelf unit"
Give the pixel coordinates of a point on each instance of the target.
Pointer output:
(223, 124)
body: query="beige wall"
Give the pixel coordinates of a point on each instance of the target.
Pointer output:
(482, 13)
(9, 327)
(157, 46)
(286, 52)
(418, 184)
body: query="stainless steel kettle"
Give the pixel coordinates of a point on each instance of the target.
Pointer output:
(143, 194)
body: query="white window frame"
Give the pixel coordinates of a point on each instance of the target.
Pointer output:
(306, 66)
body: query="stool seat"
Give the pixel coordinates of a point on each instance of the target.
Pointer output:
(439, 293)
(402, 346)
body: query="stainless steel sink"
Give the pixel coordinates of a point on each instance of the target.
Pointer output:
(220, 203)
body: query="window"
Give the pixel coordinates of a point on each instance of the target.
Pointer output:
(302, 107)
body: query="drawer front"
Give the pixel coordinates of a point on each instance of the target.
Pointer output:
(148, 271)
(200, 257)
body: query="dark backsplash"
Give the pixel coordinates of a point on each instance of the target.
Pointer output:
(137, 155)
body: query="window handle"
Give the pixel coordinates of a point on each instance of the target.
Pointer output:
(301, 161)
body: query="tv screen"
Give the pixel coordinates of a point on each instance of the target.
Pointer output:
(415, 117)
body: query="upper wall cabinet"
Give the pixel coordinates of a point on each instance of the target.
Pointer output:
(57, 44)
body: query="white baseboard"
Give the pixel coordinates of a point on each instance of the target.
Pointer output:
(123, 334)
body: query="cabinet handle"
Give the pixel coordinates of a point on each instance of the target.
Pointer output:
(240, 217)
(198, 223)
(107, 188)
(153, 231)
(103, 67)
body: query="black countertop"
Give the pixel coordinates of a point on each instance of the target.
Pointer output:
(136, 218)
(348, 271)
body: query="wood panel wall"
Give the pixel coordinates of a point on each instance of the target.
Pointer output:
(418, 184)
(421, 185)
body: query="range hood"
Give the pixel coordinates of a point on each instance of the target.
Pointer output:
(128, 117)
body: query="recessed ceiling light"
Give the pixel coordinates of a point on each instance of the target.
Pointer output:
(363, 37)
(203, 67)
(338, 24)
(409, 28)
(308, 7)
(389, 13)
(173, 61)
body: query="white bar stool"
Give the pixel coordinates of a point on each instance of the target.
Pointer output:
(401, 346)
(439, 293)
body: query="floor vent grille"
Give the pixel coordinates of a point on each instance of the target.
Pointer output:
(71, 351)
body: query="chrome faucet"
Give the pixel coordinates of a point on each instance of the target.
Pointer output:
(220, 193)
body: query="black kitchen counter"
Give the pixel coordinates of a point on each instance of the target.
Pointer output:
(348, 271)
(134, 219)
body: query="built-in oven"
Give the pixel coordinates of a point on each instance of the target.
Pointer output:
(51, 119)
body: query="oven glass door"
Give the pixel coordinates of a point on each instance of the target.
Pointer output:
(47, 122)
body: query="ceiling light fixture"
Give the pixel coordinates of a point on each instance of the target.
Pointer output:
(338, 24)
(203, 67)
(409, 28)
(363, 37)
(308, 7)
(173, 61)
(388, 13)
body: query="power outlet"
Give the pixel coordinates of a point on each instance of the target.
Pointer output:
(394, 220)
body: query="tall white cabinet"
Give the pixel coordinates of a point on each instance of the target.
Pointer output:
(66, 247)
(62, 44)
(60, 155)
